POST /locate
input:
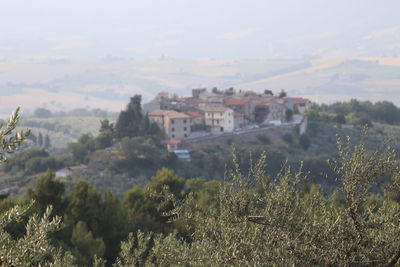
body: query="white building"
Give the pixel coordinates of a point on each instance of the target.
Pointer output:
(221, 119)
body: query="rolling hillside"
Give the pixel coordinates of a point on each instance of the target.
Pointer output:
(107, 84)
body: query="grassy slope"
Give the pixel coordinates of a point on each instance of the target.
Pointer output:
(66, 129)
(323, 145)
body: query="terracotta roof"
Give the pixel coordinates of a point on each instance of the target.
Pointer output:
(169, 113)
(195, 114)
(264, 102)
(300, 100)
(174, 142)
(236, 102)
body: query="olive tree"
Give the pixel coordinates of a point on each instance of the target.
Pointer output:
(34, 247)
(9, 141)
(264, 221)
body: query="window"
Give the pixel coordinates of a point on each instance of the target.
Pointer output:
(184, 121)
(172, 121)
(184, 128)
(173, 129)
(173, 136)
(217, 121)
(185, 135)
(221, 113)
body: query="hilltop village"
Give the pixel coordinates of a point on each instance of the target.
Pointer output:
(207, 113)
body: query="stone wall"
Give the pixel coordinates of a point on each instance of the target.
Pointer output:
(245, 136)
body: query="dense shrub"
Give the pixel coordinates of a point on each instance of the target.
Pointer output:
(275, 223)
(288, 138)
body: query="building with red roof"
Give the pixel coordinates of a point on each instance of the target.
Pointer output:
(173, 144)
(241, 105)
(301, 104)
(236, 102)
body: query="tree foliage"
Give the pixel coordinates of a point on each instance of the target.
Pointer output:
(261, 221)
(268, 92)
(48, 191)
(282, 94)
(105, 138)
(34, 248)
(47, 142)
(9, 142)
(131, 122)
(40, 140)
(81, 149)
(357, 112)
(85, 244)
(251, 218)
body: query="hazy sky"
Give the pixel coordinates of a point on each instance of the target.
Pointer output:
(195, 29)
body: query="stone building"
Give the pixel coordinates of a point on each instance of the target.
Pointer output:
(175, 125)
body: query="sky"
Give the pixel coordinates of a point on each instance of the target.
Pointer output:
(196, 29)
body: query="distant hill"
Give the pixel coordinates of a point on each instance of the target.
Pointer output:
(107, 84)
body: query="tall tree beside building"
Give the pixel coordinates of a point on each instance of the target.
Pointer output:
(129, 119)
(282, 94)
(131, 122)
(268, 92)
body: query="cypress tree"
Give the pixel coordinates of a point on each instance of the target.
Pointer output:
(40, 140)
(47, 143)
(129, 120)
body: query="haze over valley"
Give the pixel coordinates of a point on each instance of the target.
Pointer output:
(95, 54)
(108, 83)
(199, 133)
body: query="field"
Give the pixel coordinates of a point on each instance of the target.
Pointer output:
(62, 130)
(108, 84)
